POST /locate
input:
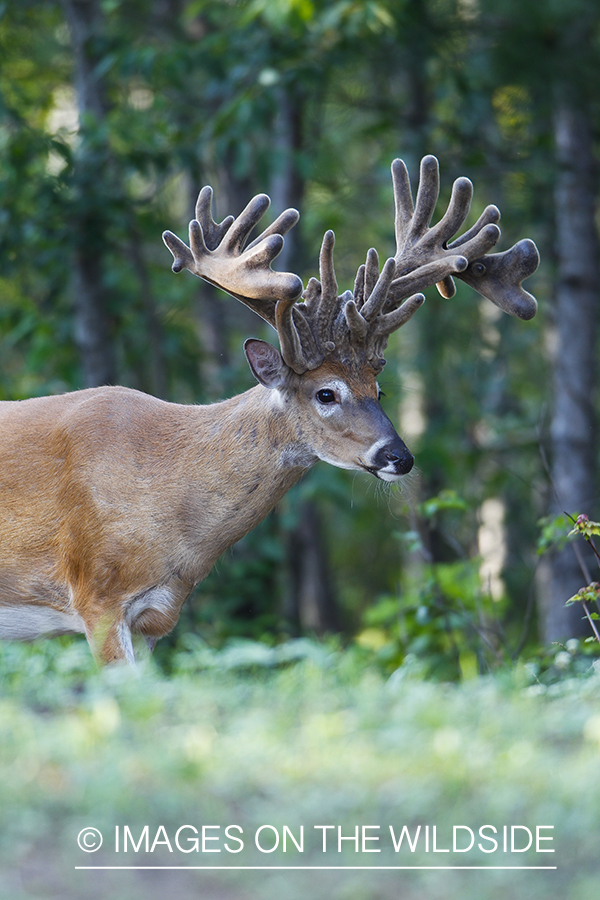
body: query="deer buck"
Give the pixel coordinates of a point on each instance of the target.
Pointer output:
(114, 504)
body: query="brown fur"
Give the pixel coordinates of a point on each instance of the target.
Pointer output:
(115, 504)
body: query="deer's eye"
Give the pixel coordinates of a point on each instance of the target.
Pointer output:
(326, 396)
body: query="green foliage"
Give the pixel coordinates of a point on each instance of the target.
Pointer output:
(560, 662)
(553, 533)
(591, 593)
(326, 740)
(446, 499)
(585, 527)
(441, 619)
(554, 536)
(442, 615)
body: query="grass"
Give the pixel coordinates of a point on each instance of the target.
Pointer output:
(304, 738)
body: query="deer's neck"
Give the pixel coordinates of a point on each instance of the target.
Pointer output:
(249, 453)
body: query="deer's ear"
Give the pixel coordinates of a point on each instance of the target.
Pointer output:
(266, 363)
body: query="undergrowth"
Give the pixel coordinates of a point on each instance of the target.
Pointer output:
(303, 735)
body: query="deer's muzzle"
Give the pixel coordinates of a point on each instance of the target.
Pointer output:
(392, 460)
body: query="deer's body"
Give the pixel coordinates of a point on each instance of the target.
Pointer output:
(86, 477)
(114, 505)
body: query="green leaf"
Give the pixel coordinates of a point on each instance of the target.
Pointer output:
(591, 594)
(553, 533)
(586, 527)
(444, 500)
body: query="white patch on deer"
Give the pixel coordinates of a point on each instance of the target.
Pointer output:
(338, 463)
(387, 476)
(297, 456)
(159, 599)
(371, 454)
(124, 638)
(28, 622)
(277, 399)
(343, 392)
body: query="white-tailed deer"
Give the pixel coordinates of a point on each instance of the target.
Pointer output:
(114, 505)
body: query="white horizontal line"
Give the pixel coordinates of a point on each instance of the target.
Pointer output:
(314, 868)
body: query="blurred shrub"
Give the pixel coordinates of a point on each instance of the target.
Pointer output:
(442, 614)
(251, 737)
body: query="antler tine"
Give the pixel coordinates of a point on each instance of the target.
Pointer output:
(403, 201)
(427, 195)
(327, 306)
(359, 286)
(423, 277)
(242, 226)
(366, 278)
(298, 345)
(217, 253)
(359, 321)
(498, 277)
(490, 216)
(371, 275)
(395, 319)
(282, 224)
(418, 244)
(376, 286)
(370, 326)
(213, 233)
(458, 210)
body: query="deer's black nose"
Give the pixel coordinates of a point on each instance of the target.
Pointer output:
(396, 456)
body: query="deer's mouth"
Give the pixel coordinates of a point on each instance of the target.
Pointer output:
(381, 473)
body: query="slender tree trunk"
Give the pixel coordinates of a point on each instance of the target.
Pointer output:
(573, 428)
(85, 21)
(156, 372)
(92, 323)
(213, 328)
(287, 185)
(310, 603)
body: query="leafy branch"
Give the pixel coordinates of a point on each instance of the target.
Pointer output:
(591, 594)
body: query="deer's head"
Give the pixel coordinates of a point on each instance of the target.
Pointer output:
(333, 345)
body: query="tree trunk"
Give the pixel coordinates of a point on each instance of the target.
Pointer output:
(92, 324)
(573, 427)
(287, 185)
(310, 604)
(156, 371)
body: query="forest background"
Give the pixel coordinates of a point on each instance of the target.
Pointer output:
(114, 114)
